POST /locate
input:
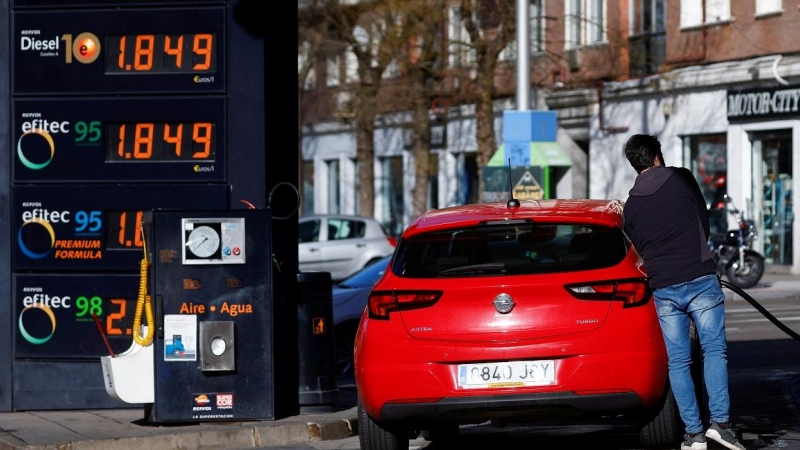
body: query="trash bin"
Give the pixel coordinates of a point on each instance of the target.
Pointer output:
(317, 361)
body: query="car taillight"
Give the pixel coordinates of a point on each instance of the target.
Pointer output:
(381, 303)
(392, 241)
(631, 292)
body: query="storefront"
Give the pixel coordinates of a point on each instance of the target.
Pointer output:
(764, 130)
(737, 141)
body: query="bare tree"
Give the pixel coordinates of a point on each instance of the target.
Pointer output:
(418, 59)
(312, 28)
(490, 27)
(369, 31)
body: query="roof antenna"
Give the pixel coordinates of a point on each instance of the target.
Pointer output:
(512, 202)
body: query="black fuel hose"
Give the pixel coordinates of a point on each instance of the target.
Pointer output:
(760, 309)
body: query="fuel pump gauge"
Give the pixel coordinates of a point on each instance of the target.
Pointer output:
(203, 241)
(213, 241)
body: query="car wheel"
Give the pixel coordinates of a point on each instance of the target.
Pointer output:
(665, 429)
(380, 436)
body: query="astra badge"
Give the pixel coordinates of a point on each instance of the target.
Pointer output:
(503, 303)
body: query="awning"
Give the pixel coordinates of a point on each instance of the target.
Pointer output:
(539, 154)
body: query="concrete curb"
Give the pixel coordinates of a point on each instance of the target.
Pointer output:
(40, 431)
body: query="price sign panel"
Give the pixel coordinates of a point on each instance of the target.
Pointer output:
(164, 50)
(116, 139)
(73, 227)
(81, 3)
(54, 314)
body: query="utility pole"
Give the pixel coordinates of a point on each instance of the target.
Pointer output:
(523, 56)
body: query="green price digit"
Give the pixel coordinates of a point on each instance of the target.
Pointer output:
(91, 306)
(90, 131)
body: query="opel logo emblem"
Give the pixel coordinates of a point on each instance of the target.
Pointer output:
(503, 303)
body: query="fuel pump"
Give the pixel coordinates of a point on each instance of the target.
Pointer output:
(212, 291)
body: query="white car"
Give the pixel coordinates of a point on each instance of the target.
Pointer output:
(341, 244)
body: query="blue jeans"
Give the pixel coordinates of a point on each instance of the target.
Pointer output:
(702, 301)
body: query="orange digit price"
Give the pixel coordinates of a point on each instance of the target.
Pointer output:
(111, 329)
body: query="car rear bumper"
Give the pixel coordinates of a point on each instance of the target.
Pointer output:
(557, 405)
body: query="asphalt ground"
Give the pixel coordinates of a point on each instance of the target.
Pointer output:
(112, 429)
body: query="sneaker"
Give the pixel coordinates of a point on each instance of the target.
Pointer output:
(724, 436)
(695, 441)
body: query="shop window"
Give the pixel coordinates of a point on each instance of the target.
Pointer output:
(333, 186)
(772, 189)
(308, 187)
(433, 181)
(467, 178)
(708, 162)
(392, 192)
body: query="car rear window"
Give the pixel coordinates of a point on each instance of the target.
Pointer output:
(509, 250)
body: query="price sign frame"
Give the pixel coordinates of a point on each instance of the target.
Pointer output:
(63, 52)
(72, 140)
(52, 314)
(69, 227)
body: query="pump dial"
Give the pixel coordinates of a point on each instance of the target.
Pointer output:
(203, 241)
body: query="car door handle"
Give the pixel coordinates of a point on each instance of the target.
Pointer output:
(313, 249)
(361, 245)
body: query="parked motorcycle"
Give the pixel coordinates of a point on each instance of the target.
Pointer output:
(733, 252)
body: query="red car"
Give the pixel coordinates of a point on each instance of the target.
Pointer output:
(512, 313)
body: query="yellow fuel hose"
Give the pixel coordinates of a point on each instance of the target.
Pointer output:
(143, 302)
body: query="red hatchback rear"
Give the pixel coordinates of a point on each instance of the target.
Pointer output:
(500, 313)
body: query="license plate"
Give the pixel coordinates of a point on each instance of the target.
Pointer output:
(506, 374)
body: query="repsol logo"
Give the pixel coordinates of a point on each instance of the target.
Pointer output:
(52, 127)
(32, 289)
(31, 43)
(201, 408)
(30, 32)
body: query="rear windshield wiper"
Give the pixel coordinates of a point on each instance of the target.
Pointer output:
(472, 268)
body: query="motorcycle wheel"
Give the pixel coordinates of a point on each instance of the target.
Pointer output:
(749, 275)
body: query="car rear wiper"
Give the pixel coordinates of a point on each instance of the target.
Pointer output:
(473, 268)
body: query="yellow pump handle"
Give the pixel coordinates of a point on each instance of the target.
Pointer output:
(143, 302)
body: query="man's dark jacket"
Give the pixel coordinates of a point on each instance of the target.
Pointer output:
(667, 220)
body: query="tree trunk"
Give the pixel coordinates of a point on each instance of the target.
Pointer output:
(484, 118)
(365, 156)
(422, 143)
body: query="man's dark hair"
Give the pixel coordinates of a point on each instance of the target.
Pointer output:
(641, 150)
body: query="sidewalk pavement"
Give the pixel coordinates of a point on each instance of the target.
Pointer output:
(122, 429)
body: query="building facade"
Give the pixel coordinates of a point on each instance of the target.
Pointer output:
(717, 82)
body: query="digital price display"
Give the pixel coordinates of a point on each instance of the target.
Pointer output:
(53, 315)
(161, 53)
(160, 141)
(80, 227)
(119, 139)
(119, 51)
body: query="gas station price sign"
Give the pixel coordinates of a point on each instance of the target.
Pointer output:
(116, 51)
(54, 314)
(79, 3)
(119, 139)
(79, 227)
